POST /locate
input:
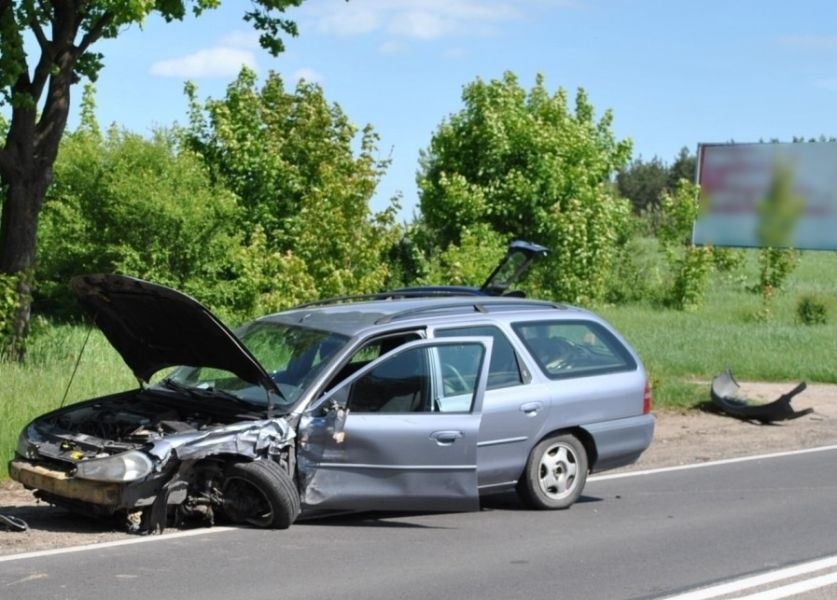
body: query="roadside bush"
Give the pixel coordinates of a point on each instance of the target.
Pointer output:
(812, 310)
(142, 207)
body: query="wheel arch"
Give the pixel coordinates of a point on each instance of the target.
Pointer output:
(579, 433)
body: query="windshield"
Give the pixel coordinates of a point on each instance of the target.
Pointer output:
(293, 356)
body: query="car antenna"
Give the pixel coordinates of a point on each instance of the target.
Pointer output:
(75, 368)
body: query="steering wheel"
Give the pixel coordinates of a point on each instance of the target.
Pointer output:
(454, 381)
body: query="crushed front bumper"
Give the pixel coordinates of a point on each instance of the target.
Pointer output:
(108, 495)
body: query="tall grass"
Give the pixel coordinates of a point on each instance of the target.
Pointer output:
(39, 385)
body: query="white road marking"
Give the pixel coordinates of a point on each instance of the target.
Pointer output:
(793, 589)
(712, 463)
(134, 540)
(740, 585)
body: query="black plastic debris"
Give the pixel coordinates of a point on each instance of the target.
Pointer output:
(13, 523)
(726, 399)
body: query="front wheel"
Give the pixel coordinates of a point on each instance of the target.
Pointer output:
(260, 493)
(555, 473)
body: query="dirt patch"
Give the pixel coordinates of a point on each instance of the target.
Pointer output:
(680, 438)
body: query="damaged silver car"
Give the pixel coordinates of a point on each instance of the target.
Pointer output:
(389, 403)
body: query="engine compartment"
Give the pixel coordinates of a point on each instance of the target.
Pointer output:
(126, 421)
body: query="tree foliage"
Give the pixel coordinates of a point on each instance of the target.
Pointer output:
(778, 213)
(644, 182)
(144, 207)
(528, 165)
(303, 175)
(36, 87)
(690, 265)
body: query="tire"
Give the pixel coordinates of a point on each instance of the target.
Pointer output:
(555, 473)
(260, 493)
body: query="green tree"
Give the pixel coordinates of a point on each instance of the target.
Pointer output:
(37, 87)
(683, 167)
(303, 175)
(643, 183)
(690, 265)
(529, 166)
(143, 207)
(778, 213)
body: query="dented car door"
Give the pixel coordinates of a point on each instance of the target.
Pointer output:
(381, 440)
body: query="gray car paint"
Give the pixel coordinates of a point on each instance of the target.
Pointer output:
(391, 461)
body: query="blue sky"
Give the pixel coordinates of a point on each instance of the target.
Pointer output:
(674, 73)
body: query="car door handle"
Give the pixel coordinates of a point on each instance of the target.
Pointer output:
(445, 438)
(531, 408)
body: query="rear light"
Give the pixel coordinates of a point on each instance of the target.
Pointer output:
(646, 399)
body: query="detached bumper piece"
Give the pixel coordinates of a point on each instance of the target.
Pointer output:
(725, 398)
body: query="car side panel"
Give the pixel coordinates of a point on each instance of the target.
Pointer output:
(603, 405)
(391, 462)
(511, 420)
(621, 442)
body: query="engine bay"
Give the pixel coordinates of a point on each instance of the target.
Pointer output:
(126, 421)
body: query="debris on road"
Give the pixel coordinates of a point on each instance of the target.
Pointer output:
(725, 398)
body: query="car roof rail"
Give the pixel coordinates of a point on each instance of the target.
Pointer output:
(484, 305)
(394, 295)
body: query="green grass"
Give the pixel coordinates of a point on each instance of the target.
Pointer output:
(38, 386)
(678, 348)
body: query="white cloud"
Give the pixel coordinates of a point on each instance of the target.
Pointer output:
(241, 39)
(221, 61)
(415, 19)
(308, 74)
(344, 20)
(392, 47)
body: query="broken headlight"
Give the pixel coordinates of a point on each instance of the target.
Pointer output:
(23, 444)
(28, 442)
(127, 466)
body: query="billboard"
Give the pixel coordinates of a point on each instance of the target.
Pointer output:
(755, 194)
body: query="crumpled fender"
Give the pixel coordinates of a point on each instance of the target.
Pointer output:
(245, 438)
(726, 399)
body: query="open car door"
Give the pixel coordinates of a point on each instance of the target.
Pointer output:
(381, 440)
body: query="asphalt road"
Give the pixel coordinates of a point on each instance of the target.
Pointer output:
(644, 536)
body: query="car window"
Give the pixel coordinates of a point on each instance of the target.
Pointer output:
(504, 368)
(574, 348)
(404, 383)
(369, 352)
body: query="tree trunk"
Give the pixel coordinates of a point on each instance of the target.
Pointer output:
(18, 236)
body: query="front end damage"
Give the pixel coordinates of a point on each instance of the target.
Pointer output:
(152, 461)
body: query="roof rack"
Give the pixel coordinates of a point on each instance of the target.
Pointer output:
(396, 295)
(484, 305)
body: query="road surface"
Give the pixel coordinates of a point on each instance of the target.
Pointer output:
(645, 535)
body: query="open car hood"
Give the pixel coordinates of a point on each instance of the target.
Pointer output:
(154, 327)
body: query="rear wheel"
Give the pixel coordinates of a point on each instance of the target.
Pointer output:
(555, 473)
(259, 493)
